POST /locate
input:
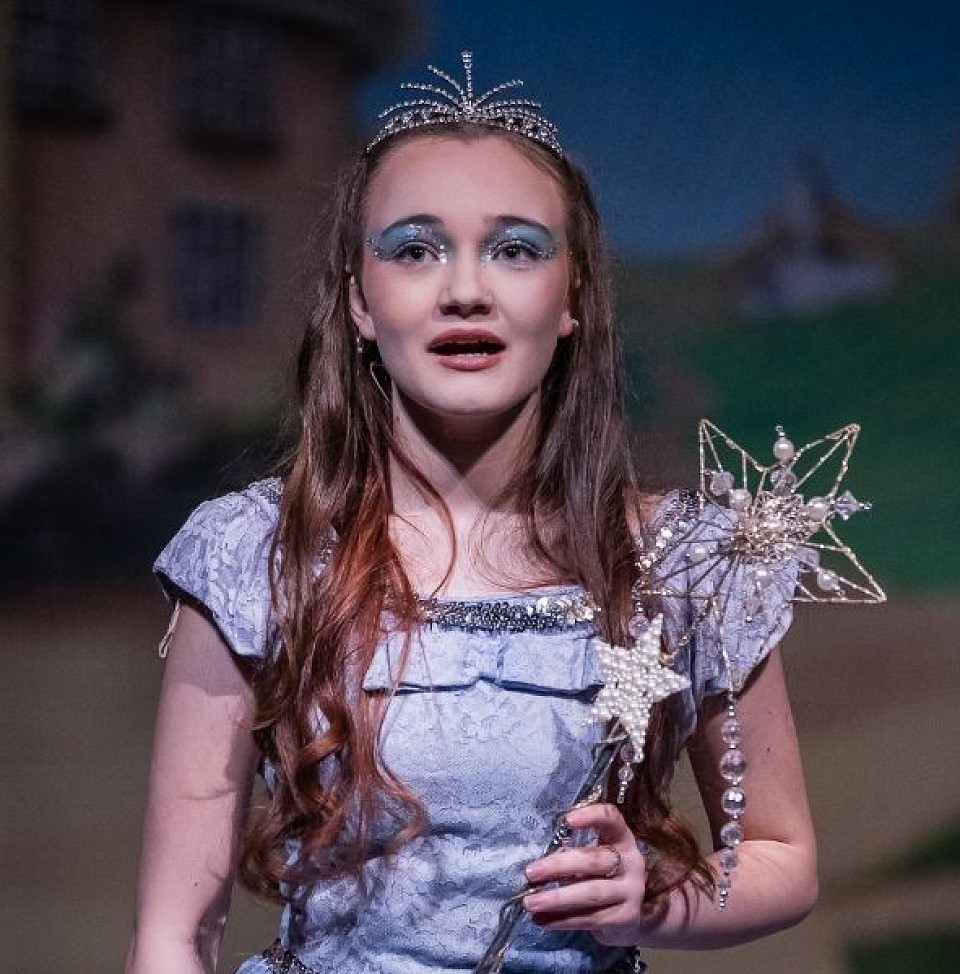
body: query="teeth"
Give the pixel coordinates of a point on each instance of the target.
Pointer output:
(474, 349)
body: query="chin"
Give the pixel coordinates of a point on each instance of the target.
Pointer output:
(473, 409)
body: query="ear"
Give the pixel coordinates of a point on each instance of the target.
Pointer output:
(568, 324)
(359, 313)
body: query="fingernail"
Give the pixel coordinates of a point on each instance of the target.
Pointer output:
(571, 811)
(565, 822)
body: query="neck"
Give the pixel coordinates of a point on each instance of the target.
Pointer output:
(467, 460)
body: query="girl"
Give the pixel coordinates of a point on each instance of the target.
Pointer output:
(401, 632)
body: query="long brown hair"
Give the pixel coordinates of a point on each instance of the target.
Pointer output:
(575, 493)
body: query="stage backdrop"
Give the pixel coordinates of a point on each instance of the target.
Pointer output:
(781, 191)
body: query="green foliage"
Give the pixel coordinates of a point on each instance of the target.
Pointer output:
(892, 365)
(935, 952)
(938, 853)
(923, 952)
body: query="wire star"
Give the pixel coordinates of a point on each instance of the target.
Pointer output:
(757, 538)
(634, 680)
(772, 522)
(775, 521)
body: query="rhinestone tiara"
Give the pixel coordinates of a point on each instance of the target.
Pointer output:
(457, 104)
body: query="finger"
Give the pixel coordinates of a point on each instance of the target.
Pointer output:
(606, 819)
(586, 920)
(580, 897)
(576, 863)
(611, 932)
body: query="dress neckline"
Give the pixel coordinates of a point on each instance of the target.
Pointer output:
(549, 608)
(516, 596)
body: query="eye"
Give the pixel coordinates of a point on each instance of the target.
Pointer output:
(516, 252)
(417, 252)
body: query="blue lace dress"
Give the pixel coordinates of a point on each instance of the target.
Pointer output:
(488, 728)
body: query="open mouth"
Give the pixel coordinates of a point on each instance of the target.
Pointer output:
(480, 347)
(466, 345)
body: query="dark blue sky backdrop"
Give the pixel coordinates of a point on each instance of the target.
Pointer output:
(690, 117)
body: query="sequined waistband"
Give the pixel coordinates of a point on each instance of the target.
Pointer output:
(282, 961)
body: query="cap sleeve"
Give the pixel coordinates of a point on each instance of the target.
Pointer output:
(722, 615)
(220, 558)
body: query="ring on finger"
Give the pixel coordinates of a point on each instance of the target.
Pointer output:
(614, 870)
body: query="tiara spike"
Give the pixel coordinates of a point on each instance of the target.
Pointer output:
(527, 113)
(467, 58)
(513, 103)
(431, 89)
(412, 103)
(530, 106)
(484, 98)
(450, 81)
(457, 104)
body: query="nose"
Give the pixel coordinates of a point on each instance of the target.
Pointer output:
(465, 293)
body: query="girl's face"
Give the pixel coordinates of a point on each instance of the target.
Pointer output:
(465, 275)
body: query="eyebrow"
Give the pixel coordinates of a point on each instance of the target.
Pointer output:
(405, 221)
(509, 220)
(499, 222)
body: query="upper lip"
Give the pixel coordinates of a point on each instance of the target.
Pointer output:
(466, 336)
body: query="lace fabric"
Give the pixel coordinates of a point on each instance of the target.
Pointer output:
(488, 727)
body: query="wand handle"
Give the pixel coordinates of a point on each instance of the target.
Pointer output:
(589, 793)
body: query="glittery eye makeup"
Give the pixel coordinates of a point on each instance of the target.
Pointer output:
(519, 241)
(410, 241)
(420, 240)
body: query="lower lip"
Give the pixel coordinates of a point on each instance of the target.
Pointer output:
(470, 363)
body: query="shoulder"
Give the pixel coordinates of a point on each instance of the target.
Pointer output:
(237, 519)
(724, 609)
(220, 559)
(665, 517)
(254, 506)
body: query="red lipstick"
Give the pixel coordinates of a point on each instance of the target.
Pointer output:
(467, 349)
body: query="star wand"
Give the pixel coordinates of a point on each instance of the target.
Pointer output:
(634, 680)
(763, 526)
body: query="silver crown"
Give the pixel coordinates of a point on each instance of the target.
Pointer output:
(458, 105)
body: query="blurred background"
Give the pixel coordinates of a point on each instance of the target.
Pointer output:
(781, 189)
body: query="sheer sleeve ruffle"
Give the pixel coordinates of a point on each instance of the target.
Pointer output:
(220, 558)
(722, 616)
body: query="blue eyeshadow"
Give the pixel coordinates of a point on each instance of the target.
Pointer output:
(389, 242)
(540, 240)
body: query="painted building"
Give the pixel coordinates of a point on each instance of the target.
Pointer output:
(167, 165)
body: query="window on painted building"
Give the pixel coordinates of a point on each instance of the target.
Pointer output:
(226, 68)
(217, 267)
(56, 47)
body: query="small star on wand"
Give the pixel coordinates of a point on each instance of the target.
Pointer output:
(634, 680)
